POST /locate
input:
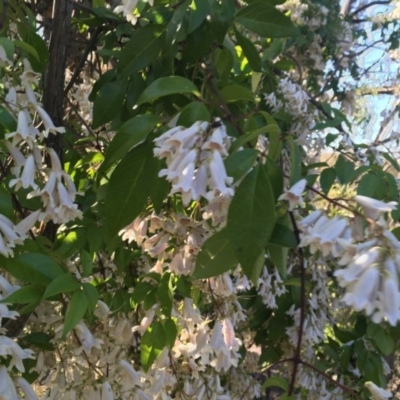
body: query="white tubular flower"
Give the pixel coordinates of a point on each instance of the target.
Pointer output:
(48, 192)
(390, 298)
(377, 392)
(372, 208)
(86, 338)
(7, 388)
(26, 388)
(106, 392)
(127, 9)
(10, 348)
(55, 162)
(293, 195)
(30, 94)
(29, 75)
(48, 123)
(4, 61)
(24, 226)
(23, 132)
(362, 295)
(311, 219)
(219, 178)
(186, 138)
(6, 287)
(67, 210)
(229, 334)
(135, 231)
(132, 373)
(11, 98)
(27, 178)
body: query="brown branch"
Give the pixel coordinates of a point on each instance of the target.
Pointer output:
(373, 3)
(3, 14)
(296, 358)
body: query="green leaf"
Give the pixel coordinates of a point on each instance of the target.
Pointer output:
(166, 86)
(153, 342)
(31, 294)
(276, 381)
(108, 102)
(6, 206)
(381, 338)
(275, 177)
(234, 93)
(142, 289)
(87, 263)
(279, 257)
(92, 296)
(8, 123)
(41, 340)
(295, 157)
(240, 163)
(184, 286)
(8, 46)
(283, 236)
(265, 20)
(175, 25)
(216, 256)
(371, 186)
(249, 136)
(164, 294)
(142, 49)
(62, 284)
(192, 113)
(344, 170)
(251, 217)
(198, 12)
(328, 176)
(249, 51)
(171, 331)
(32, 268)
(128, 189)
(75, 311)
(223, 63)
(131, 133)
(28, 48)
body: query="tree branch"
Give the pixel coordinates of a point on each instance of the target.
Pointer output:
(366, 6)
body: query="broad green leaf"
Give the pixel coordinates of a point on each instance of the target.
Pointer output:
(153, 342)
(276, 381)
(142, 289)
(31, 294)
(166, 86)
(171, 332)
(164, 294)
(8, 123)
(275, 145)
(249, 136)
(176, 25)
(8, 47)
(223, 63)
(6, 207)
(275, 177)
(108, 102)
(382, 339)
(328, 176)
(41, 340)
(265, 20)
(184, 286)
(86, 263)
(192, 113)
(71, 243)
(279, 257)
(32, 268)
(234, 93)
(295, 157)
(198, 12)
(142, 49)
(92, 296)
(131, 133)
(344, 170)
(62, 284)
(283, 236)
(216, 257)
(128, 189)
(238, 164)
(251, 217)
(28, 48)
(249, 51)
(75, 311)
(371, 186)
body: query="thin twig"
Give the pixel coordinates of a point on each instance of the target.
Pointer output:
(373, 3)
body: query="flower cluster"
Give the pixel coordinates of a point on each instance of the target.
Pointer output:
(195, 166)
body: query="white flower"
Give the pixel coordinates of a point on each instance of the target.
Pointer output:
(311, 219)
(24, 226)
(132, 373)
(27, 178)
(7, 388)
(10, 348)
(391, 300)
(29, 394)
(219, 178)
(23, 131)
(4, 61)
(377, 392)
(374, 208)
(127, 9)
(293, 195)
(86, 338)
(106, 392)
(48, 123)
